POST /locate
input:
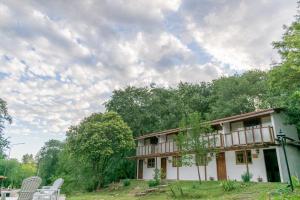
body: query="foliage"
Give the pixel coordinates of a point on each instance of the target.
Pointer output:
(157, 175)
(176, 190)
(126, 182)
(190, 140)
(153, 183)
(101, 140)
(284, 78)
(207, 190)
(4, 117)
(228, 185)
(246, 177)
(47, 159)
(238, 94)
(15, 172)
(149, 109)
(295, 181)
(28, 159)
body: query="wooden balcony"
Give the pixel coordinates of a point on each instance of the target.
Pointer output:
(249, 137)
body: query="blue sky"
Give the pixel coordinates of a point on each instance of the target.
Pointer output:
(60, 60)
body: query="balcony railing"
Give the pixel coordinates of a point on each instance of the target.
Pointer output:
(246, 137)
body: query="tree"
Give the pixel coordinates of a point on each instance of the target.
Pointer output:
(47, 159)
(99, 139)
(15, 172)
(284, 78)
(152, 108)
(238, 94)
(192, 141)
(28, 159)
(4, 117)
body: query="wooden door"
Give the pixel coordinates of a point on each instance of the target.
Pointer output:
(163, 167)
(221, 166)
(140, 172)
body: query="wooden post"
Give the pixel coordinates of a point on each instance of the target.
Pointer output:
(239, 137)
(231, 138)
(165, 146)
(214, 140)
(245, 132)
(253, 135)
(261, 135)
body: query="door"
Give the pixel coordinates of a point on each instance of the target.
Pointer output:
(221, 166)
(271, 163)
(140, 172)
(163, 167)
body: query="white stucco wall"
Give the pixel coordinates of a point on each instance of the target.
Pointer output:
(257, 168)
(279, 123)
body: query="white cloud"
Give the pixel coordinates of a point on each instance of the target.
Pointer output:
(240, 33)
(60, 60)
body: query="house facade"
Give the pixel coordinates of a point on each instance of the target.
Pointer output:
(242, 142)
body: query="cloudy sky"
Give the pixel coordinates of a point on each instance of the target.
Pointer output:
(60, 60)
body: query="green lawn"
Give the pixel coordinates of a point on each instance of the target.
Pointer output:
(191, 190)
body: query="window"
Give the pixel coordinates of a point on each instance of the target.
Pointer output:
(252, 122)
(151, 163)
(240, 157)
(177, 161)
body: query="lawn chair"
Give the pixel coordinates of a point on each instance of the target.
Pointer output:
(49, 192)
(28, 188)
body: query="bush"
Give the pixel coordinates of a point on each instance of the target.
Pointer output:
(153, 183)
(156, 178)
(295, 181)
(246, 177)
(126, 182)
(228, 185)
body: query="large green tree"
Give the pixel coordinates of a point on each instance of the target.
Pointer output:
(284, 78)
(47, 159)
(4, 117)
(155, 108)
(103, 141)
(238, 94)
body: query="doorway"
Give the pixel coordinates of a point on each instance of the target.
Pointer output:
(221, 166)
(271, 163)
(140, 172)
(163, 167)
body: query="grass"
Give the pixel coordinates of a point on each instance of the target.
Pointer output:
(191, 190)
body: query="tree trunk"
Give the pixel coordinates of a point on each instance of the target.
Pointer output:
(198, 169)
(205, 171)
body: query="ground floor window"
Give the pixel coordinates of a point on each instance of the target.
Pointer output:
(240, 157)
(176, 161)
(151, 163)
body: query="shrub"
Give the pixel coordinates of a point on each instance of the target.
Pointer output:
(126, 182)
(153, 183)
(157, 175)
(228, 185)
(295, 181)
(246, 177)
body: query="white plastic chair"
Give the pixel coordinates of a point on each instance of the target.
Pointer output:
(49, 192)
(28, 188)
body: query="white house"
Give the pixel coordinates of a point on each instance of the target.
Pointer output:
(243, 141)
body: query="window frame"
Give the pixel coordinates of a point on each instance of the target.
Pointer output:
(248, 157)
(152, 163)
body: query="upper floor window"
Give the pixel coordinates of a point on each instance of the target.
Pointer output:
(150, 163)
(152, 140)
(240, 157)
(252, 122)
